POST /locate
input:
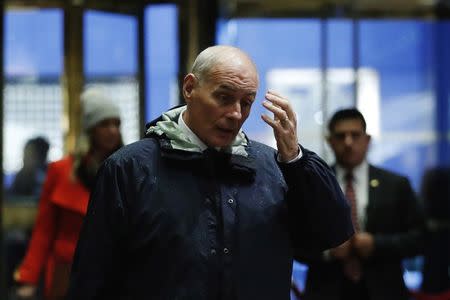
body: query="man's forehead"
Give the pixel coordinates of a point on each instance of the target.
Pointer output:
(348, 124)
(235, 88)
(241, 66)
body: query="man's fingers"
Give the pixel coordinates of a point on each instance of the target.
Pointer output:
(282, 104)
(272, 123)
(277, 97)
(277, 100)
(279, 113)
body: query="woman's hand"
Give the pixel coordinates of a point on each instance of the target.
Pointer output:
(26, 291)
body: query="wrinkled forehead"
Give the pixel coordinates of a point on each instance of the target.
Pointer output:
(240, 75)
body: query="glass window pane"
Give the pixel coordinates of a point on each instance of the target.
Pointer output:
(110, 44)
(340, 43)
(400, 54)
(340, 76)
(33, 43)
(442, 65)
(32, 94)
(110, 47)
(161, 58)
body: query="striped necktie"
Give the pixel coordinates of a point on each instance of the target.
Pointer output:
(352, 266)
(351, 198)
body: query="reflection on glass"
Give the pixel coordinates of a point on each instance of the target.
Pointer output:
(406, 143)
(161, 58)
(110, 47)
(32, 94)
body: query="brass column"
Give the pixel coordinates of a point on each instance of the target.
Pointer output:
(73, 75)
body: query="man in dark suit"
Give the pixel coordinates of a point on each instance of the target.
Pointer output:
(387, 219)
(435, 192)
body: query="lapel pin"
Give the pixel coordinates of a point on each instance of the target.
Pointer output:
(374, 183)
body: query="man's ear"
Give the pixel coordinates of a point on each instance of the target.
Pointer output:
(189, 83)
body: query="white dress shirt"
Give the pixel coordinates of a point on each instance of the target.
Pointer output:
(361, 187)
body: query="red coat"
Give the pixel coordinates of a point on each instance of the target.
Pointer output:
(62, 207)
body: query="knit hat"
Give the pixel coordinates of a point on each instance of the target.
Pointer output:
(97, 107)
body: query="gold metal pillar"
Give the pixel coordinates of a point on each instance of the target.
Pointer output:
(73, 75)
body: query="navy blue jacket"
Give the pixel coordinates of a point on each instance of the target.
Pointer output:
(172, 224)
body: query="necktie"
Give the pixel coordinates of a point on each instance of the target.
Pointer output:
(352, 266)
(351, 198)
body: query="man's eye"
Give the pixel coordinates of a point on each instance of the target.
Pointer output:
(246, 103)
(224, 97)
(339, 136)
(356, 135)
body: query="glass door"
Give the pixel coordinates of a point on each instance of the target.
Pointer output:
(111, 61)
(33, 126)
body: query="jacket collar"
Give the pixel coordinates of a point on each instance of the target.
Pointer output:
(175, 144)
(171, 125)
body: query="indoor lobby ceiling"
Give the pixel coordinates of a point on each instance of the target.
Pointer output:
(272, 8)
(366, 8)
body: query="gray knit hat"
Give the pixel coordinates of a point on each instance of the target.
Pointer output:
(96, 107)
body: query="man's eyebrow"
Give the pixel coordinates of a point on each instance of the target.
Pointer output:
(226, 87)
(233, 89)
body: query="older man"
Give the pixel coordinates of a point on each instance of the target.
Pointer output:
(196, 210)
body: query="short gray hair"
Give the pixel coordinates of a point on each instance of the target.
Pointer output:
(214, 55)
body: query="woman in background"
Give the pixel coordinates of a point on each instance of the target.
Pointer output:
(64, 199)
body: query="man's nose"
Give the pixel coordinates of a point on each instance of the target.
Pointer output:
(348, 140)
(235, 111)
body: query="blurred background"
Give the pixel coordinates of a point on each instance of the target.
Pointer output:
(390, 58)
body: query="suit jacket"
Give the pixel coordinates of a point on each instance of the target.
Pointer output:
(436, 196)
(62, 207)
(395, 219)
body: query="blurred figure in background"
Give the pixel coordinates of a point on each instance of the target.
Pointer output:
(28, 181)
(25, 190)
(387, 218)
(435, 192)
(64, 200)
